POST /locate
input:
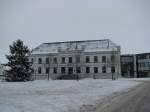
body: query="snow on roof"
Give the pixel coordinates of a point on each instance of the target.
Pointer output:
(86, 46)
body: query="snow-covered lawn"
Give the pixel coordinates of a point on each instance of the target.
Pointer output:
(57, 95)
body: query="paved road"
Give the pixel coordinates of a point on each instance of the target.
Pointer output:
(135, 100)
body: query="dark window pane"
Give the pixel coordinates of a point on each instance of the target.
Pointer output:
(47, 60)
(63, 59)
(78, 69)
(103, 59)
(112, 69)
(95, 59)
(32, 60)
(78, 59)
(95, 69)
(47, 70)
(70, 70)
(70, 59)
(39, 70)
(103, 69)
(112, 59)
(87, 69)
(55, 70)
(87, 59)
(40, 61)
(55, 60)
(63, 69)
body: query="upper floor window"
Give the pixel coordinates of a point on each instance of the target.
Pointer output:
(95, 59)
(39, 70)
(63, 59)
(87, 59)
(103, 59)
(143, 56)
(87, 69)
(78, 59)
(40, 61)
(112, 59)
(104, 69)
(95, 69)
(70, 59)
(55, 60)
(47, 60)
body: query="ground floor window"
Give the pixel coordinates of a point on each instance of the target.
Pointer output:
(47, 70)
(70, 70)
(63, 69)
(55, 70)
(104, 69)
(78, 69)
(95, 69)
(112, 69)
(39, 70)
(87, 69)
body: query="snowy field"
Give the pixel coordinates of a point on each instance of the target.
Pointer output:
(57, 95)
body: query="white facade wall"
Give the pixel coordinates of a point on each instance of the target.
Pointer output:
(74, 53)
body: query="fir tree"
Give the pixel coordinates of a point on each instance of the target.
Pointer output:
(19, 68)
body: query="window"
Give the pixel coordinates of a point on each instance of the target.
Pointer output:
(55, 60)
(87, 69)
(103, 69)
(39, 70)
(87, 59)
(95, 69)
(47, 70)
(112, 69)
(55, 70)
(40, 61)
(63, 59)
(70, 70)
(78, 59)
(70, 59)
(63, 69)
(32, 60)
(95, 59)
(112, 59)
(47, 60)
(103, 59)
(33, 71)
(78, 69)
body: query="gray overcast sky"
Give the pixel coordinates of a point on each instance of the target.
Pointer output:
(126, 22)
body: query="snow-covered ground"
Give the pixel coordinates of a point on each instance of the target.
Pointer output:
(57, 95)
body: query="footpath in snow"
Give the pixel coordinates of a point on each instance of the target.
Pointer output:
(57, 95)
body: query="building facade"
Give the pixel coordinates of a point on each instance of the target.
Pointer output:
(91, 58)
(143, 64)
(137, 65)
(128, 66)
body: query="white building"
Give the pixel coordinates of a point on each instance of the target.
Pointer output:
(90, 58)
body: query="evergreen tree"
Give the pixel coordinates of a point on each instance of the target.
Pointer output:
(19, 68)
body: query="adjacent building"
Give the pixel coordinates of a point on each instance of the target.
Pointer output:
(128, 66)
(90, 58)
(135, 65)
(143, 64)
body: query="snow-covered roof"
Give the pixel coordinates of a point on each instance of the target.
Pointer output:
(86, 46)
